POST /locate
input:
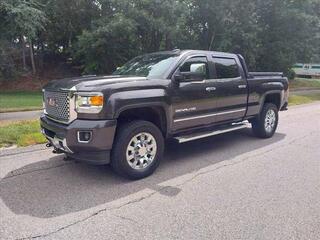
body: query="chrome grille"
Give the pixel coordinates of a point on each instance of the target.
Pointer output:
(57, 105)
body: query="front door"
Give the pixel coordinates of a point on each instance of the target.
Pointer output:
(193, 101)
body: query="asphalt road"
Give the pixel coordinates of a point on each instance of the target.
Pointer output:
(14, 116)
(231, 186)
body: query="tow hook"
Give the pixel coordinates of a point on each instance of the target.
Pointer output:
(57, 151)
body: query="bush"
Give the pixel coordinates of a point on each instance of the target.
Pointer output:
(291, 74)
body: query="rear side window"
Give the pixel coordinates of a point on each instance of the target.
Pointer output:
(226, 67)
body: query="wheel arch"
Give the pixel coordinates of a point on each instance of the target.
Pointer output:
(152, 113)
(274, 97)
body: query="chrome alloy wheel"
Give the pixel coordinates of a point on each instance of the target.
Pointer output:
(141, 150)
(270, 120)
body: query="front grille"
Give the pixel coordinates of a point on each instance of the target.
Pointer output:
(57, 105)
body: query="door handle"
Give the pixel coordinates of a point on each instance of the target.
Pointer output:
(211, 89)
(242, 86)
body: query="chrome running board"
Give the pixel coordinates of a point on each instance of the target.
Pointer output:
(225, 129)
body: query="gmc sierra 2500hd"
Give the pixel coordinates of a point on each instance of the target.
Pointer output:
(124, 118)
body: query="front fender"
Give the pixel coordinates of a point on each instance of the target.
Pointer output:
(121, 101)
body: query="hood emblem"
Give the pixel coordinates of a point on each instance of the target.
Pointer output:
(52, 102)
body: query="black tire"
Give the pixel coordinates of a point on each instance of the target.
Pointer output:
(125, 133)
(258, 124)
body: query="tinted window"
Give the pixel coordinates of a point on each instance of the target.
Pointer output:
(226, 68)
(196, 64)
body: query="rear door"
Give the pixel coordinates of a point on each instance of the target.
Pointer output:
(231, 89)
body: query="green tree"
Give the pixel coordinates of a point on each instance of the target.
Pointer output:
(67, 20)
(108, 45)
(100, 35)
(288, 33)
(22, 21)
(128, 28)
(229, 25)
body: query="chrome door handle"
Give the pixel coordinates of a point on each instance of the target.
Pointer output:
(242, 86)
(210, 89)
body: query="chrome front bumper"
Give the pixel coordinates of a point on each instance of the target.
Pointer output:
(64, 138)
(57, 143)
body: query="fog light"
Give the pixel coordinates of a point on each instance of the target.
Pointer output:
(84, 136)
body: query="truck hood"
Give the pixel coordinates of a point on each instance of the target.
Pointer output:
(89, 83)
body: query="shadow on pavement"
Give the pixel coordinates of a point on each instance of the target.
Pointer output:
(53, 188)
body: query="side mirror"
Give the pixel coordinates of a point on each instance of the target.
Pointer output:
(179, 78)
(189, 72)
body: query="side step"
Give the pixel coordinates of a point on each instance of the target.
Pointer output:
(225, 129)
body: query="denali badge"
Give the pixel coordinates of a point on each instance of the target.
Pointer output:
(186, 110)
(51, 102)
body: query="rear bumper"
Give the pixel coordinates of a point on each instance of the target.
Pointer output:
(284, 107)
(285, 101)
(64, 138)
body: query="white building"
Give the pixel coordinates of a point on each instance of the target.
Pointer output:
(307, 70)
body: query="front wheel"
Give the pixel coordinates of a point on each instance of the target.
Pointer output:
(265, 125)
(137, 150)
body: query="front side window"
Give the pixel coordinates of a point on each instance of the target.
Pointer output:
(196, 65)
(150, 65)
(226, 68)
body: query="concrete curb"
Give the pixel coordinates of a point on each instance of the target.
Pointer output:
(20, 150)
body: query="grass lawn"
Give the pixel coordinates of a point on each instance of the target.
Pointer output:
(303, 99)
(22, 133)
(304, 83)
(20, 101)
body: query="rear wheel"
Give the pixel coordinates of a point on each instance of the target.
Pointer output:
(265, 125)
(137, 150)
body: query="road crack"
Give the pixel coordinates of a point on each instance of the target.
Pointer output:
(125, 218)
(93, 215)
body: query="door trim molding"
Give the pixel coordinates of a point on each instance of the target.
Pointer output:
(209, 115)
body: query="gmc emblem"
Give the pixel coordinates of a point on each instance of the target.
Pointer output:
(51, 102)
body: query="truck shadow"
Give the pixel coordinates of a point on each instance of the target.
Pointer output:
(54, 187)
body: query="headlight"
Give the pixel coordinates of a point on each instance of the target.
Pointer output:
(89, 102)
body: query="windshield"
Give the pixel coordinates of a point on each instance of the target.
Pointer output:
(151, 65)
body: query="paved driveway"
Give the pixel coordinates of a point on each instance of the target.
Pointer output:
(232, 186)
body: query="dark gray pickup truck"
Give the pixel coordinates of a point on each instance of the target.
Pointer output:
(123, 119)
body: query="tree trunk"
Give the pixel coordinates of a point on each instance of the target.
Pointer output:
(23, 47)
(32, 58)
(211, 42)
(168, 43)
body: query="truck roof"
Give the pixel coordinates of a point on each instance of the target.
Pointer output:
(190, 51)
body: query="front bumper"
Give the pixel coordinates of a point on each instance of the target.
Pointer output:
(64, 138)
